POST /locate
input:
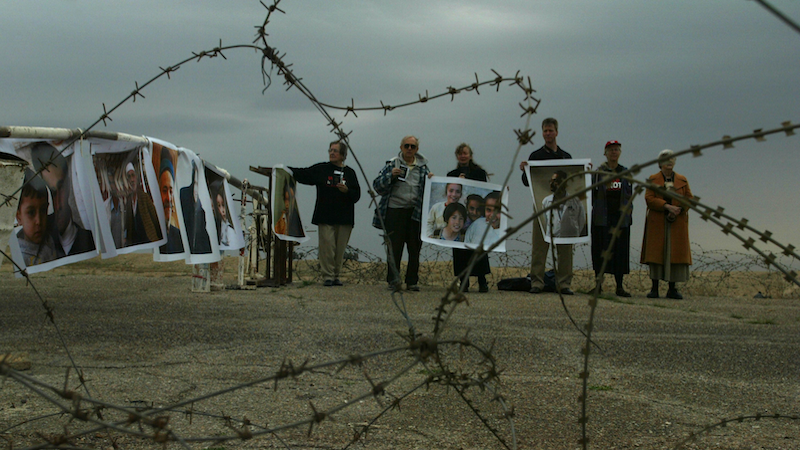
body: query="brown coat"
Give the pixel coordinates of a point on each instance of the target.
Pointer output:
(654, 227)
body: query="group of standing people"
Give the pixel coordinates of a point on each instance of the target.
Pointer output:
(401, 185)
(665, 247)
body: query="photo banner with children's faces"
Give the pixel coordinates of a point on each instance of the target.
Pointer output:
(286, 223)
(556, 179)
(165, 160)
(55, 220)
(229, 229)
(130, 216)
(458, 213)
(194, 206)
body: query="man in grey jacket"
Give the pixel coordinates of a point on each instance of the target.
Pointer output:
(401, 185)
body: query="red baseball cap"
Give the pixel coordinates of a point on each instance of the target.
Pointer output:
(612, 143)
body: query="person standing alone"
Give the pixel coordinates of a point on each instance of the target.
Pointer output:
(334, 211)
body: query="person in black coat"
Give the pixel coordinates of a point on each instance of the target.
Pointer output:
(466, 168)
(334, 212)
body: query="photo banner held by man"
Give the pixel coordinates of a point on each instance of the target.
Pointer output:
(457, 213)
(553, 180)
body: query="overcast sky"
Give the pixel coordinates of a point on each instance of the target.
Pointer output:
(652, 75)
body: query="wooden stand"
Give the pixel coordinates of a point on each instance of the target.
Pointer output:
(279, 253)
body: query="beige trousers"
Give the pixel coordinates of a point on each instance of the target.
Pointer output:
(539, 251)
(333, 241)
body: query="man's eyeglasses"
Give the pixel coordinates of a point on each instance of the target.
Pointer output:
(409, 146)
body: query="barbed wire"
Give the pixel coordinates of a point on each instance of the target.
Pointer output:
(418, 343)
(423, 348)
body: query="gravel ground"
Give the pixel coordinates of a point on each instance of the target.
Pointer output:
(664, 369)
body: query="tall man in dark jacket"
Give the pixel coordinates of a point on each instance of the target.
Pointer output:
(334, 212)
(550, 150)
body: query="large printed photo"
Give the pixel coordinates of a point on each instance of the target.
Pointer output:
(194, 207)
(165, 162)
(129, 210)
(55, 222)
(286, 223)
(457, 213)
(229, 230)
(553, 181)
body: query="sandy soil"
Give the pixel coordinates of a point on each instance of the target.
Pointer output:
(660, 370)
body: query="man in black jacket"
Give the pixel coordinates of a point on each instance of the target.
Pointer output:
(334, 212)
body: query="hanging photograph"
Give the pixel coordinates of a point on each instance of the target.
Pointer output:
(229, 229)
(129, 210)
(165, 160)
(194, 206)
(286, 223)
(55, 220)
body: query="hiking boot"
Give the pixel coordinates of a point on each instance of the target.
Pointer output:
(674, 294)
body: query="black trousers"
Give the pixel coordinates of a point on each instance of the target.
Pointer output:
(403, 230)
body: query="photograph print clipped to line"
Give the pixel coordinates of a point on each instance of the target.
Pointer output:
(165, 162)
(457, 212)
(551, 182)
(229, 230)
(194, 205)
(286, 223)
(125, 189)
(55, 219)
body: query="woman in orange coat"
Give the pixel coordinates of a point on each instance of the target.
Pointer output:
(666, 231)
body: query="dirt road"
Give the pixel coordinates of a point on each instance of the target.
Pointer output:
(661, 369)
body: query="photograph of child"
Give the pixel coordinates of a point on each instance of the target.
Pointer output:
(229, 233)
(454, 217)
(489, 224)
(287, 224)
(474, 209)
(35, 242)
(436, 219)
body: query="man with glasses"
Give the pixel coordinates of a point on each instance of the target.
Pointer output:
(334, 212)
(401, 185)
